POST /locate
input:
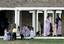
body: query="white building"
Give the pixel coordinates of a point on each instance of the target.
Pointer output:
(36, 12)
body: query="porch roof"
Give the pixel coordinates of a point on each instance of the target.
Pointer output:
(32, 3)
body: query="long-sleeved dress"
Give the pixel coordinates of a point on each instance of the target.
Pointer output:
(5, 35)
(47, 27)
(32, 34)
(59, 28)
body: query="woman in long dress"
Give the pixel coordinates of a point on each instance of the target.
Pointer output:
(58, 26)
(5, 35)
(47, 26)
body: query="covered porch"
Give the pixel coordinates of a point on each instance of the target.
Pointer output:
(36, 16)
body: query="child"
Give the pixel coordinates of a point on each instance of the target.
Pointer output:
(9, 35)
(5, 35)
(32, 33)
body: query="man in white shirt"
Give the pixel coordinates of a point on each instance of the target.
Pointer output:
(14, 33)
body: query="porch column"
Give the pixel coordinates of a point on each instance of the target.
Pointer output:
(45, 15)
(17, 19)
(33, 19)
(18, 32)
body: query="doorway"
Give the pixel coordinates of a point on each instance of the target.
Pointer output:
(6, 19)
(26, 18)
(40, 23)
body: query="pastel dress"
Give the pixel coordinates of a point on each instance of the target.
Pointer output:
(27, 31)
(5, 35)
(47, 27)
(32, 34)
(23, 32)
(59, 28)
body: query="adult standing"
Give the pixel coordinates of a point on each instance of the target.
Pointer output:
(58, 26)
(47, 26)
(14, 32)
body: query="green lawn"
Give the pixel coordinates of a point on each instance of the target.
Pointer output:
(32, 42)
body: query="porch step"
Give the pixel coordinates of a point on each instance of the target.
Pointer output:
(39, 37)
(43, 37)
(1, 36)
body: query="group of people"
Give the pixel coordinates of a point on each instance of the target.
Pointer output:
(10, 34)
(48, 28)
(26, 31)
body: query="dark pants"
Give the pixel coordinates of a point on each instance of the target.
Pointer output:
(22, 36)
(9, 35)
(51, 31)
(14, 36)
(59, 35)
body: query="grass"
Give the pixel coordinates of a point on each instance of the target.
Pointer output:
(42, 41)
